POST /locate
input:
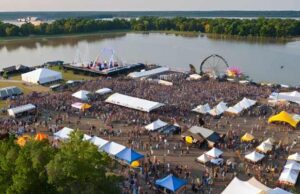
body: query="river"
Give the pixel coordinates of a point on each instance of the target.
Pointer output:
(263, 60)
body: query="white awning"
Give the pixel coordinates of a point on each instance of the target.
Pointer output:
(288, 96)
(278, 191)
(202, 109)
(112, 148)
(133, 102)
(156, 125)
(214, 153)
(20, 109)
(236, 109)
(219, 109)
(41, 76)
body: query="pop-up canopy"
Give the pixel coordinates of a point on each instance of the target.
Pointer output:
(247, 137)
(284, 117)
(63, 133)
(156, 125)
(97, 141)
(214, 153)
(129, 155)
(254, 156)
(171, 183)
(81, 94)
(112, 148)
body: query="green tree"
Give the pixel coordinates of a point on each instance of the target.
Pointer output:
(78, 167)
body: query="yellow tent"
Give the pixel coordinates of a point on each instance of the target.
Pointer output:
(135, 164)
(247, 137)
(40, 136)
(22, 140)
(283, 117)
(189, 139)
(85, 106)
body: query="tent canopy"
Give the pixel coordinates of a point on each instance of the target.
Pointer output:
(236, 109)
(264, 147)
(171, 183)
(283, 117)
(219, 109)
(196, 137)
(207, 134)
(103, 91)
(97, 141)
(203, 158)
(41, 76)
(129, 155)
(112, 148)
(246, 103)
(288, 96)
(295, 157)
(247, 137)
(214, 153)
(254, 156)
(20, 109)
(133, 102)
(253, 181)
(81, 94)
(148, 73)
(278, 191)
(202, 109)
(289, 176)
(81, 106)
(156, 125)
(236, 186)
(63, 133)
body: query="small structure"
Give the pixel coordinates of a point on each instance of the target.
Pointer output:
(81, 95)
(247, 137)
(254, 157)
(287, 96)
(288, 177)
(149, 72)
(236, 186)
(133, 102)
(214, 153)
(81, 106)
(158, 124)
(219, 109)
(21, 110)
(129, 155)
(278, 191)
(9, 92)
(203, 159)
(293, 165)
(103, 91)
(171, 183)
(284, 117)
(202, 109)
(264, 147)
(112, 148)
(97, 141)
(41, 76)
(295, 157)
(63, 134)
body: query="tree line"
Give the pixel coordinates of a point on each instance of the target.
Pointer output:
(260, 27)
(38, 167)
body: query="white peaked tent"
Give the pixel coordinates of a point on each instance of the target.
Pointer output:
(295, 157)
(195, 77)
(236, 186)
(112, 148)
(236, 109)
(156, 125)
(247, 103)
(214, 153)
(133, 102)
(254, 156)
(203, 159)
(86, 137)
(278, 191)
(41, 76)
(81, 94)
(289, 176)
(270, 141)
(288, 96)
(219, 109)
(202, 109)
(253, 181)
(63, 134)
(103, 91)
(293, 165)
(97, 141)
(264, 147)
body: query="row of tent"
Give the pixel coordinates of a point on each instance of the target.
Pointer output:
(112, 148)
(252, 186)
(219, 109)
(262, 149)
(286, 96)
(290, 172)
(210, 156)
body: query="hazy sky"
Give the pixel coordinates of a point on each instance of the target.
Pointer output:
(124, 5)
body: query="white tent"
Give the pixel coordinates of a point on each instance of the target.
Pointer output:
(219, 109)
(270, 141)
(156, 125)
(148, 73)
(81, 94)
(97, 141)
(264, 147)
(246, 103)
(103, 91)
(293, 165)
(203, 159)
(289, 176)
(63, 134)
(237, 186)
(236, 109)
(253, 181)
(86, 137)
(288, 96)
(278, 191)
(112, 148)
(202, 109)
(254, 156)
(20, 109)
(295, 157)
(133, 102)
(214, 153)
(195, 77)
(41, 76)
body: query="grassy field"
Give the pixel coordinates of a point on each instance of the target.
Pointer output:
(69, 75)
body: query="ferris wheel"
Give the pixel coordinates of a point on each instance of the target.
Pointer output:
(214, 66)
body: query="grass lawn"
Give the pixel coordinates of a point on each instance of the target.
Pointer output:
(69, 75)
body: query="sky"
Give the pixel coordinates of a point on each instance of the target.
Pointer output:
(146, 5)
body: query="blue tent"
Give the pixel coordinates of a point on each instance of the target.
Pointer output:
(129, 155)
(171, 182)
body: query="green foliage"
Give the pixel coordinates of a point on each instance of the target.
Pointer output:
(76, 167)
(245, 27)
(5, 75)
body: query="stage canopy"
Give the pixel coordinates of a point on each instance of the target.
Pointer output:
(97, 141)
(112, 148)
(41, 76)
(103, 91)
(171, 183)
(254, 156)
(63, 134)
(156, 125)
(133, 102)
(284, 117)
(81, 94)
(129, 155)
